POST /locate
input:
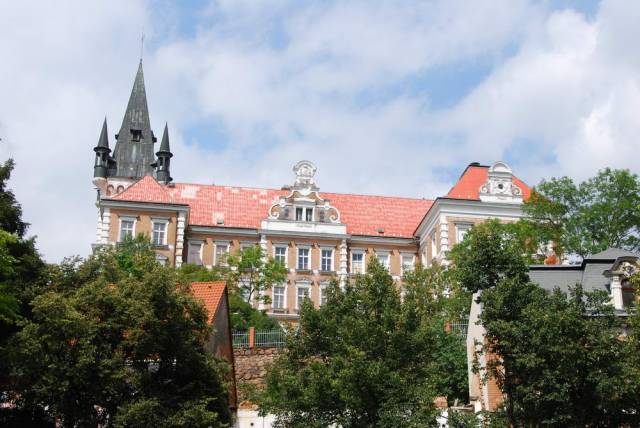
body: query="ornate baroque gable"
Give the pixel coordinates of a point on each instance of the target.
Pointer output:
(304, 202)
(500, 186)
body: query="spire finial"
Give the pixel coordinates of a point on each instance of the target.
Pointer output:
(141, 44)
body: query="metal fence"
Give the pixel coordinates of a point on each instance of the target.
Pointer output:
(259, 338)
(240, 339)
(270, 339)
(460, 327)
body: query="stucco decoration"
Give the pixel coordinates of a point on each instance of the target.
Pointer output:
(304, 193)
(499, 186)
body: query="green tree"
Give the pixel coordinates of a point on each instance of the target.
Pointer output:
(251, 273)
(560, 358)
(588, 217)
(488, 254)
(364, 359)
(119, 341)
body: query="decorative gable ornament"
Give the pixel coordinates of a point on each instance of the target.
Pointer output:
(304, 193)
(500, 186)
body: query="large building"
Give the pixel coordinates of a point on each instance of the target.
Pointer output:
(317, 235)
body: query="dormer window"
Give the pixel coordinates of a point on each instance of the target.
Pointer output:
(304, 214)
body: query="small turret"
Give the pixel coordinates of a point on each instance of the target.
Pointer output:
(101, 166)
(164, 159)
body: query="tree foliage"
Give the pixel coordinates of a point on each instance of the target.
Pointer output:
(559, 357)
(118, 341)
(367, 358)
(587, 217)
(488, 254)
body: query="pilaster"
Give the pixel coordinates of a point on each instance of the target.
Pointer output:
(343, 263)
(180, 238)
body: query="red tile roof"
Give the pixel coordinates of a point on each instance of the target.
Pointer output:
(211, 295)
(246, 207)
(468, 186)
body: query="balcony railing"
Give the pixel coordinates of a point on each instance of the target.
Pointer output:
(259, 338)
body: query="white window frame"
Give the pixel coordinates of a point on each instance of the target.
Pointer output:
(302, 285)
(193, 243)
(304, 209)
(247, 244)
(163, 221)
(303, 247)
(461, 230)
(284, 297)
(387, 263)
(215, 251)
(133, 230)
(363, 267)
(412, 264)
(286, 253)
(322, 292)
(333, 259)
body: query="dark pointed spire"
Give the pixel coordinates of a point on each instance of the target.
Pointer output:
(134, 146)
(102, 150)
(164, 144)
(164, 158)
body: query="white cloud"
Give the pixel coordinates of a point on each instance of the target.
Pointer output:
(324, 81)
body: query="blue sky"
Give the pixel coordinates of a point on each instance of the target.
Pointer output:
(386, 97)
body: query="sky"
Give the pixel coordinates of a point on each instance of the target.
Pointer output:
(385, 97)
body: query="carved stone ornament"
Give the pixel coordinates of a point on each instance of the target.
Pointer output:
(499, 185)
(304, 193)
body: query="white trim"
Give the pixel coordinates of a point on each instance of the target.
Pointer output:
(333, 258)
(215, 251)
(322, 287)
(194, 242)
(462, 227)
(302, 284)
(134, 219)
(363, 269)
(413, 262)
(157, 220)
(286, 252)
(284, 285)
(387, 254)
(298, 248)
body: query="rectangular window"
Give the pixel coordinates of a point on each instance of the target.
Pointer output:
(323, 295)
(326, 260)
(278, 297)
(303, 258)
(383, 258)
(280, 255)
(301, 294)
(194, 256)
(434, 246)
(304, 214)
(159, 235)
(126, 229)
(222, 251)
(408, 261)
(461, 232)
(357, 262)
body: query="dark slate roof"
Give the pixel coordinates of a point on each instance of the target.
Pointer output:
(103, 141)
(164, 144)
(134, 152)
(590, 273)
(611, 254)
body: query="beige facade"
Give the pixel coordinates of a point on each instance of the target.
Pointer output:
(301, 227)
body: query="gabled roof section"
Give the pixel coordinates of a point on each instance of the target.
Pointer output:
(473, 177)
(611, 254)
(146, 189)
(210, 293)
